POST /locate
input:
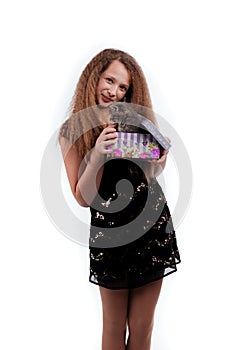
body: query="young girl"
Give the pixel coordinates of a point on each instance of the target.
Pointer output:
(132, 239)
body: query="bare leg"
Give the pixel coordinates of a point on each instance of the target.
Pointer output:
(142, 303)
(114, 305)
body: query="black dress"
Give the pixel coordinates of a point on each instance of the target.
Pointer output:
(132, 239)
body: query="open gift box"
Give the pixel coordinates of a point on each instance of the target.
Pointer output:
(135, 145)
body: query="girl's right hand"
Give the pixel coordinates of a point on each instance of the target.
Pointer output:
(106, 138)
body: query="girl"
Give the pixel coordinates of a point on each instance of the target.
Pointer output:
(132, 239)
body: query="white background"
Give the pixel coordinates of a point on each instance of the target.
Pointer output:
(185, 50)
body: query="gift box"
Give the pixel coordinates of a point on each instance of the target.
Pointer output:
(135, 145)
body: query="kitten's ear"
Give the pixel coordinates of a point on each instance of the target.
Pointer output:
(113, 108)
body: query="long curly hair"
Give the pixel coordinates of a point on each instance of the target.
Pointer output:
(85, 120)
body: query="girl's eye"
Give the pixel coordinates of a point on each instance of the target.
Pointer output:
(123, 88)
(109, 80)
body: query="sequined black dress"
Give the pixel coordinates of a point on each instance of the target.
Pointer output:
(132, 239)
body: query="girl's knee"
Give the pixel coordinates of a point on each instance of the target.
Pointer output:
(140, 328)
(114, 327)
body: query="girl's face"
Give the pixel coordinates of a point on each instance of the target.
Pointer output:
(113, 84)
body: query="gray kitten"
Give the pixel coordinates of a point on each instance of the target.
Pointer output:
(125, 117)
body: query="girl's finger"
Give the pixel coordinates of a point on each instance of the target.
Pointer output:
(109, 130)
(109, 142)
(162, 159)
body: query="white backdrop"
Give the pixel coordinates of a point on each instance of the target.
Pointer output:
(185, 50)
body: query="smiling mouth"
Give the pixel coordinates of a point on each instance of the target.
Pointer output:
(106, 99)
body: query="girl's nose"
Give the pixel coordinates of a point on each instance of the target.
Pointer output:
(112, 91)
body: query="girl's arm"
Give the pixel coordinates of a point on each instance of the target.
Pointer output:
(84, 177)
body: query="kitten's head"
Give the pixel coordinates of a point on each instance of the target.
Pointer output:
(126, 118)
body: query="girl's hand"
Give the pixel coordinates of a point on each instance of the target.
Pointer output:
(106, 138)
(163, 158)
(161, 162)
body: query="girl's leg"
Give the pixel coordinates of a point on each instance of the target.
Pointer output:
(114, 305)
(142, 303)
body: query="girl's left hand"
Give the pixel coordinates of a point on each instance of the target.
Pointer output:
(161, 162)
(163, 158)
